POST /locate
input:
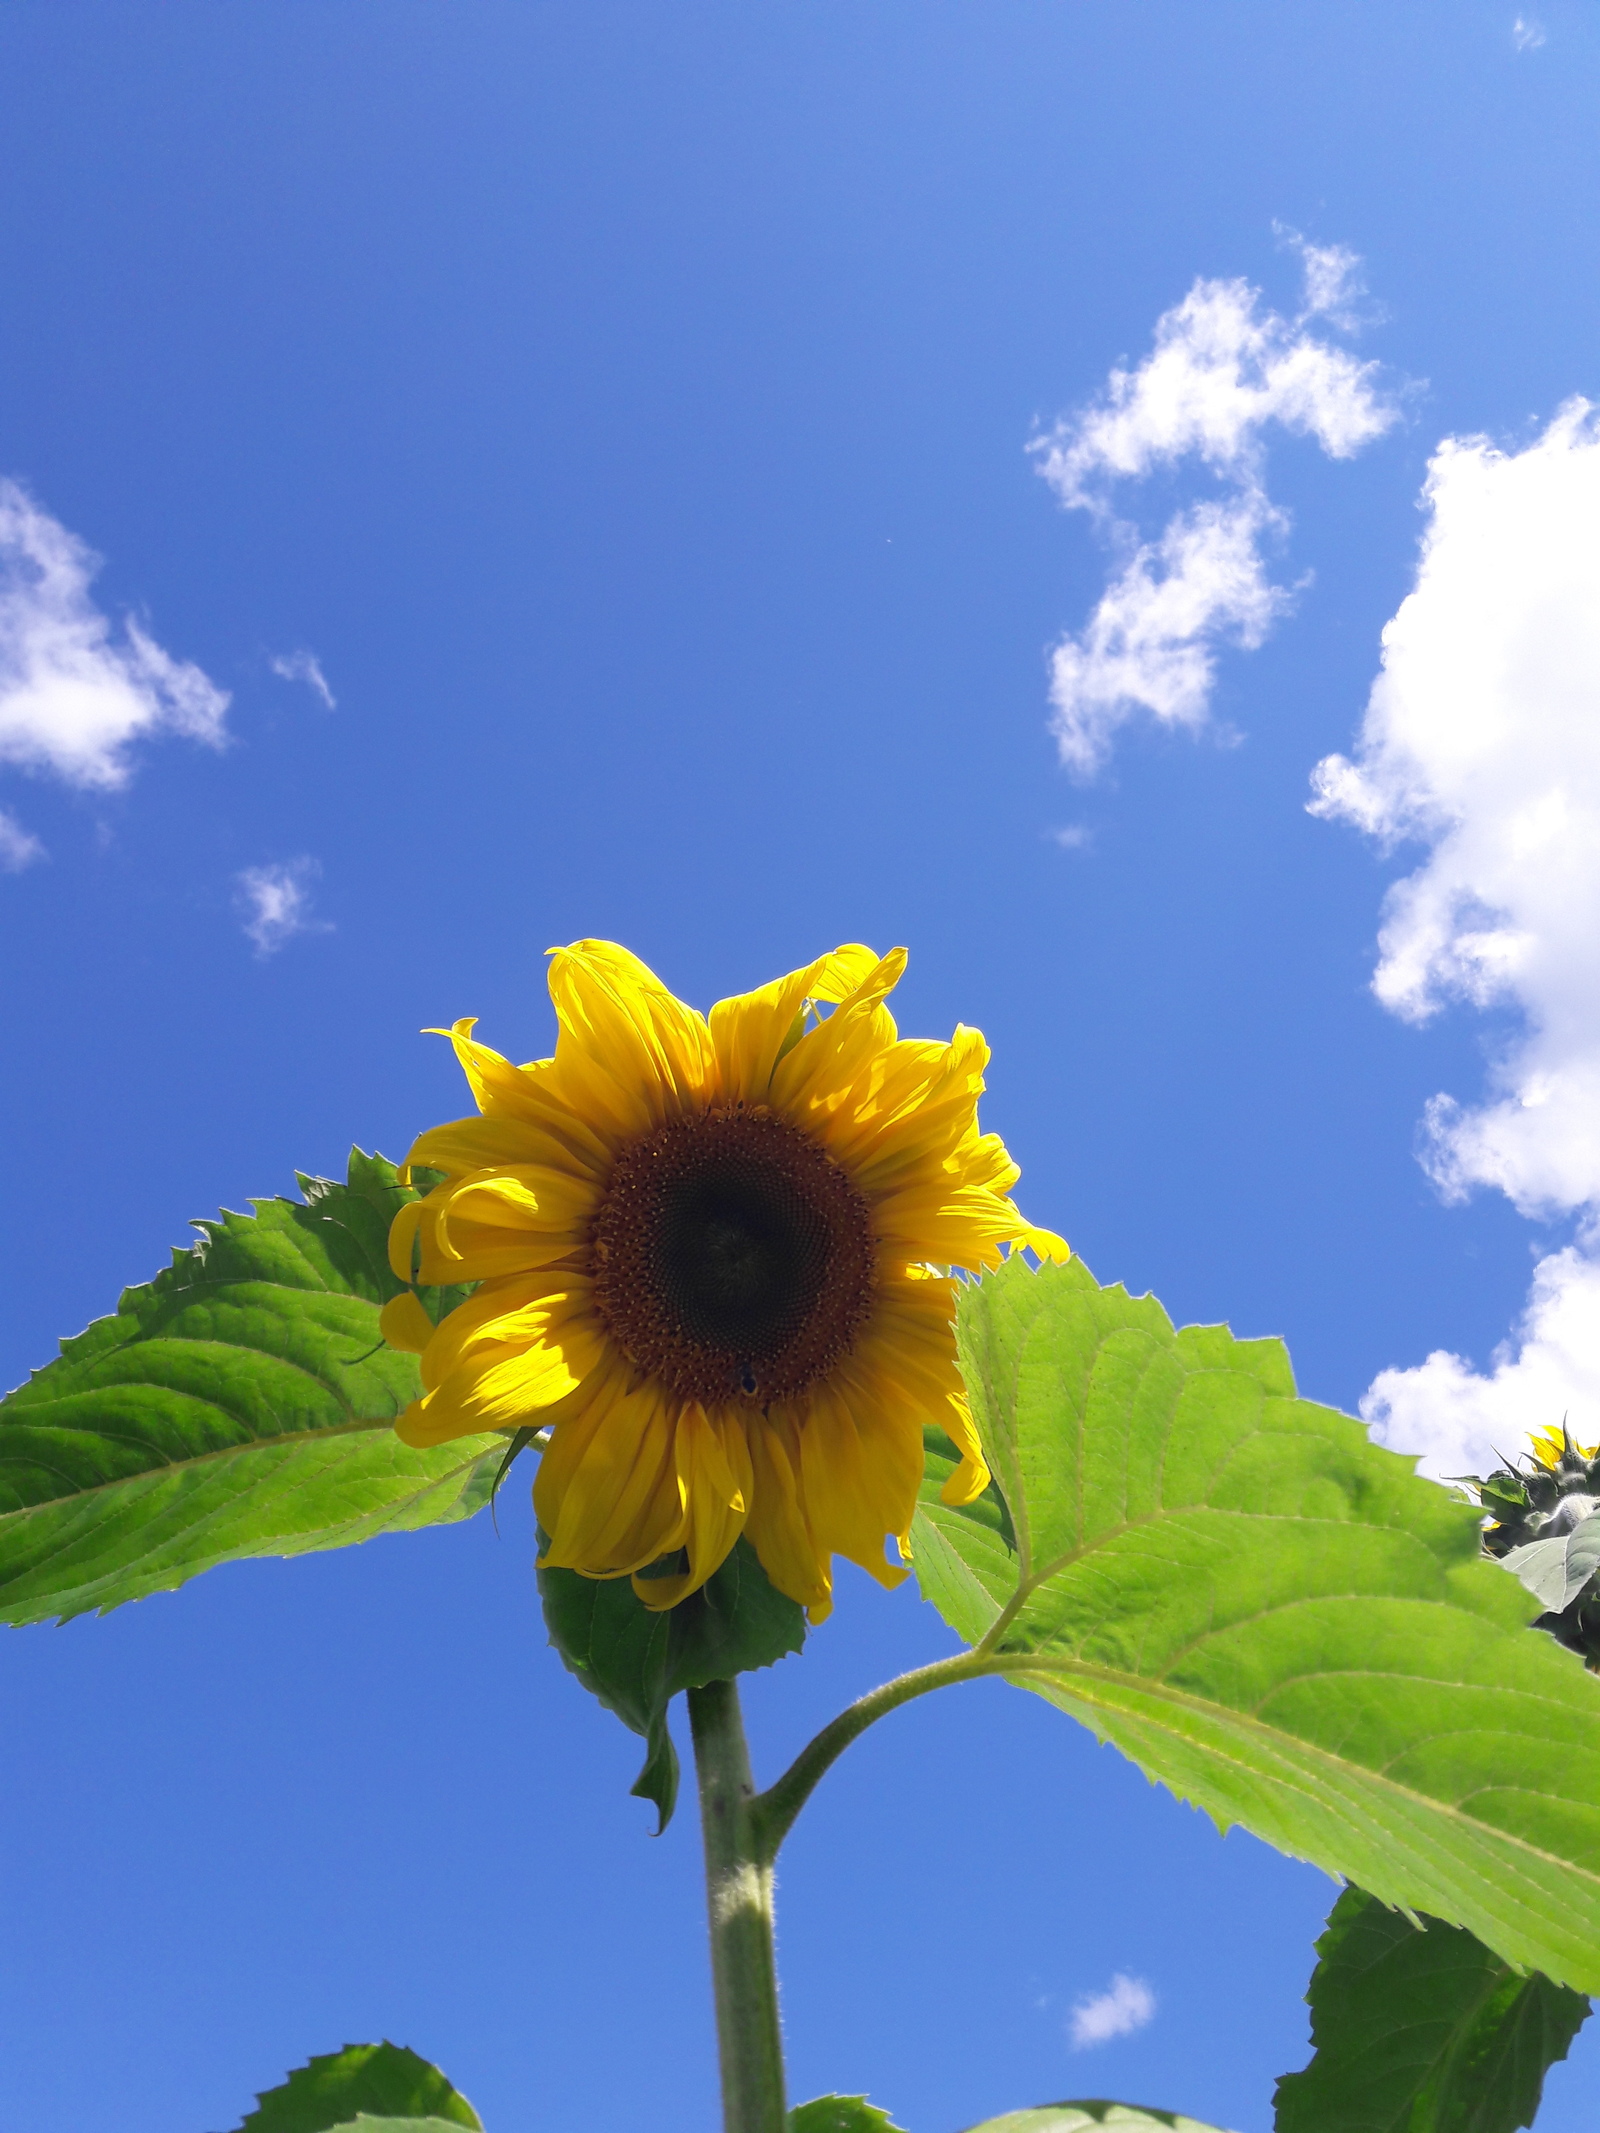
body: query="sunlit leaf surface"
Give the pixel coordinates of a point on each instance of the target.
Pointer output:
(1268, 1613)
(238, 1405)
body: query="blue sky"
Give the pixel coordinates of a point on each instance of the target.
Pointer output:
(566, 470)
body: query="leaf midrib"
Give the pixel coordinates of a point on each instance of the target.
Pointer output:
(1442, 2071)
(1030, 1582)
(1276, 1738)
(232, 1413)
(226, 1451)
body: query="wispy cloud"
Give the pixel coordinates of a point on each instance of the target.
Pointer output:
(18, 849)
(275, 903)
(1126, 2004)
(1224, 371)
(1481, 741)
(1335, 289)
(305, 666)
(1526, 34)
(75, 693)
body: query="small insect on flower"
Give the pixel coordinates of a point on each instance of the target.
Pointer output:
(713, 1258)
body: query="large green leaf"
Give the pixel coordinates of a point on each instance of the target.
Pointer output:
(840, 2114)
(1084, 2116)
(636, 1661)
(1268, 1613)
(369, 2085)
(1418, 2028)
(238, 1405)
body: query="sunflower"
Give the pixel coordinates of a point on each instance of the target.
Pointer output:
(1550, 1447)
(714, 1263)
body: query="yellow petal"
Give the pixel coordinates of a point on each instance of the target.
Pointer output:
(404, 1324)
(488, 1143)
(752, 1028)
(403, 1239)
(607, 1490)
(813, 1082)
(777, 1526)
(528, 1093)
(628, 1049)
(964, 1227)
(490, 1223)
(512, 1314)
(712, 1460)
(495, 1365)
(858, 1477)
(971, 1477)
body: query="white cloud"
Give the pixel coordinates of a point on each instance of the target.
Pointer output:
(74, 695)
(1150, 643)
(1482, 740)
(18, 848)
(1126, 2004)
(1464, 1421)
(305, 666)
(1224, 370)
(1526, 34)
(1334, 287)
(1482, 737)
(275, 903)
(1221, 371)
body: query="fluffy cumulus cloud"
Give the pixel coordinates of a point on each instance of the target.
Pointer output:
(1461, 1419)
(1482, 740)
(76, 693)
(1126, 2004)
(1225, 370)
(275, 903)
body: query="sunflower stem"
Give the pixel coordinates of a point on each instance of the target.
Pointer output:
(744, 1970)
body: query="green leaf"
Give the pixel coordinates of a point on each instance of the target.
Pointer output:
(238, 1405)
(1091, 2111)
(840, 2114)
(1555, 1571)
(1418, 2028)
(362, 2123)
(1268, 1613)
(636, 1661)
(370, 2085)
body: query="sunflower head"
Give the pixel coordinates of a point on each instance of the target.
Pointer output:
(714, 1261)
(1555, 1486)
(1544, 1497)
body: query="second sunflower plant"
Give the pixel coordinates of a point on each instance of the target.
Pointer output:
(752, 1290)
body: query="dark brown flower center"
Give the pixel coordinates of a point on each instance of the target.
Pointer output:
(732, 1257)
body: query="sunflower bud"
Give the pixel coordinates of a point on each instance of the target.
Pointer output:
(1554, 1490)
